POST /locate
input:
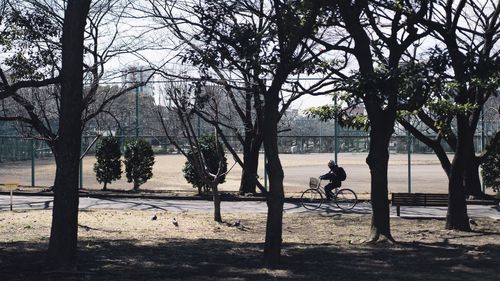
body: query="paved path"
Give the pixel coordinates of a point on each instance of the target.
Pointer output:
(45, 202)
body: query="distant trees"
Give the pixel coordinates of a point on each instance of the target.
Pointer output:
(139, 160)
(108, 164)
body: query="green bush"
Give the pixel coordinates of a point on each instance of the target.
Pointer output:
(213, 153)
(491, 166)
(139, 160)
(108, 167)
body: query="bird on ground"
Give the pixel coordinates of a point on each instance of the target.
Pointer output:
(472, 222)
(154, 218)
(175, 223)
(237, 223)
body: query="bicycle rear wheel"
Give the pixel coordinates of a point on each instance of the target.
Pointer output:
(311, 199)
(346, 199)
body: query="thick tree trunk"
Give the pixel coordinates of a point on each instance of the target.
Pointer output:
(217, 201)
(275, 200)
(471, 178)
(250, 165)
(245, 173)
(275, 197)
(378, 160)
(62, 252)
(456, 217)
(136, 186)
(104, 188)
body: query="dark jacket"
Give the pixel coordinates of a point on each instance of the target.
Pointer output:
(332, 176)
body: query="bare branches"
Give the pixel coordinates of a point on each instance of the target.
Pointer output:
(7, 90)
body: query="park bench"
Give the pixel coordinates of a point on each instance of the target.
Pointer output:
(428, 200)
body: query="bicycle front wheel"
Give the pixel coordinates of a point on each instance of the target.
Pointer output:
(346, 199)
(311, 199)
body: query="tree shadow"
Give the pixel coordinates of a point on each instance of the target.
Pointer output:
(214, 259)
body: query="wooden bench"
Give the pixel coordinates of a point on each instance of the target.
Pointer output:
(429, 199)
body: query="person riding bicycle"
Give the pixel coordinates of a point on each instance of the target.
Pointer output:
(336, 175)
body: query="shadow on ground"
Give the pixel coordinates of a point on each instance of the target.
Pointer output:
(176, 259)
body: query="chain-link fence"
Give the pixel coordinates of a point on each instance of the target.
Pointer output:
(30, 162)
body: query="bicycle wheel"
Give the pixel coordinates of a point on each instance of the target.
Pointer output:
(311, 199)
(346, 199)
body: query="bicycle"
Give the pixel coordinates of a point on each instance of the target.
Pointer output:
(313, 197)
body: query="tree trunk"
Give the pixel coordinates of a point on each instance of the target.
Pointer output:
(378, 160)
(136, 186)
(104, 188)
(456, 217)
(434, 144)
(62, 252)
(217, 201)
(250, 165)
(472, 180)
(275, 198)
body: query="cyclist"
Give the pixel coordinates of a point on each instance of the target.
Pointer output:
(336, 175)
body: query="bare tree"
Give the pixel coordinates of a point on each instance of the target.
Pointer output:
(235, 50)
(263, 44)
(180, 101)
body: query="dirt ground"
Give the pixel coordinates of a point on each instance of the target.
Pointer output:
(426, 173)
(129, 245)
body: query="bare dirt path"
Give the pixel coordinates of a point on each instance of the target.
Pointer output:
(45, 202)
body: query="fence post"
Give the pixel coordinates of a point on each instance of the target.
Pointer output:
(137, 112)
(320, 136)
(482, 144)
(336, 131)
(33, 162)
(408, 145)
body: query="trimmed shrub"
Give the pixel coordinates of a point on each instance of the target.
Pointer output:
(108, 167)
(213, 153)
(139, 161)
(491, 166)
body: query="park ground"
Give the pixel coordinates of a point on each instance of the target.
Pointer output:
(130, 245)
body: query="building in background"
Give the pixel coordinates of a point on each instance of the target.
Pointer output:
(138, 74)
